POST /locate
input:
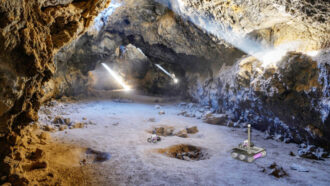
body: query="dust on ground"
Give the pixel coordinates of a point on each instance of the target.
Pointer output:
(120, 131)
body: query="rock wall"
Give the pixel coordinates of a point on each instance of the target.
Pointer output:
(275, 22)
(290, 102)
(31, 32)
(161, 35)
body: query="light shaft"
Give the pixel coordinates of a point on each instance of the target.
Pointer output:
(116, 77)
(167, 73)
(161, 68)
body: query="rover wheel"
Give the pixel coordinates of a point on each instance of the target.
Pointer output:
(250, 159)
(242, 157)
(234, 154)
(263, 153)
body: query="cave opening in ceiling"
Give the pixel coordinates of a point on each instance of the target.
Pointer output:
(154, 92)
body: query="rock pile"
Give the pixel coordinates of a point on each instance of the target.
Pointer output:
(170, 131)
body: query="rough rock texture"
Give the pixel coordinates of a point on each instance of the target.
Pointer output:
(30, 34)
(275, 22)
(208, 69)
(152, 30)
(289, 100)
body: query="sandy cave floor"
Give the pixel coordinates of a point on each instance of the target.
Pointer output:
(121, 129)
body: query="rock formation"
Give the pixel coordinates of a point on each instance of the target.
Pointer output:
(289, 100)
(31, 32)
(209, 45)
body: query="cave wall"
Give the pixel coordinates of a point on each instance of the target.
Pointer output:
(289, 102)
(31, 32)
(161, 35)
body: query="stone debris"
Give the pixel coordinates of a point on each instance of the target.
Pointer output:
(78, 125)
(91, 123)
(298, 168)
(49, 128)
(312, 152)
(115, 124)
(58, 120)
(157, 106)
(217, 119)
(170, 131)
(164, 131)
(291, 153)
(67, 121)
(277, 171)
(62, 127)
(151, 119)
(192, 130)
(161, 112)
(182, 133)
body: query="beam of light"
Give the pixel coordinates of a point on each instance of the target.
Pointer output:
(116, 77)
(264, 53)
(175, 80)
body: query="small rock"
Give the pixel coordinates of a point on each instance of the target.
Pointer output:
(67, 121)
(182, 113)
(84, 118)
(157, 107)
(58, 120)
(186, 158)
(159, 131)
(161, 112)
(91, 123)
(151, 119)
(216, 119)
(292, 154)
(262, 169)
(169, 131)
(78, 125)
(298, 168)
(192, 130)
(276, 171)
(63, 127)
(182, 133)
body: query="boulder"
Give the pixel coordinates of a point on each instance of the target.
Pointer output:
(216, 119)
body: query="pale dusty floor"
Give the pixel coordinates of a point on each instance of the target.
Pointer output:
(134, 163)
